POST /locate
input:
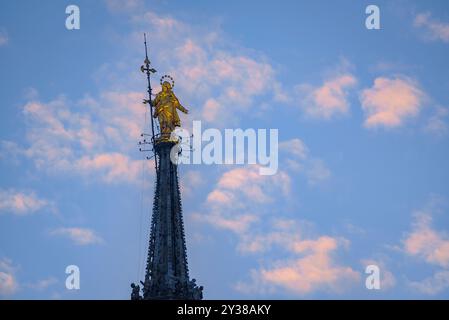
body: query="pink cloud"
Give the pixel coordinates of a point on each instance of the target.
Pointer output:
(437, 122)
(295, 147)
(211, 110)
(435, 284)
(8, 285)
(299, 159)
(330, 99)
(238, 225)
(309, 274)
(8, 282)
(239, 80)
(425, 242)
(48, 117)
(284, 233)
(322, 244)
(237, 178)
(317, 172)
(249, 182)
(239, 197)
(22, 203)
(4, 39)
(190, 181)
(164, 24)
(434, 29)
(212, 72)
(220, 196)
(116, 166)
(391, 101)
(80, 236)
(238, 204)
(124, 6)
(315, 269)
(42, 284)
(90, 137)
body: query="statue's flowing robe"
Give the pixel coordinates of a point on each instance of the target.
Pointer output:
(166, 104)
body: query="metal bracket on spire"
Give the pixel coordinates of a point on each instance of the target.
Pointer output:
(188, 146)
(145, 142)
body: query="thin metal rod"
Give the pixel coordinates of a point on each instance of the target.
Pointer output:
(150, 101)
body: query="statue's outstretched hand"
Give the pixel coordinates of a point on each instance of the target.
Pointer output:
(183, 109)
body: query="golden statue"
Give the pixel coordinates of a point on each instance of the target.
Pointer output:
(165, 104)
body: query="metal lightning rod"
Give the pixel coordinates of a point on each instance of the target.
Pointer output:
(146, 69)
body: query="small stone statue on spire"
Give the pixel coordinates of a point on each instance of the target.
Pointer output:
(135, 294)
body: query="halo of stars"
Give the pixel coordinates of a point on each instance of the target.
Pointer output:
(166, 76)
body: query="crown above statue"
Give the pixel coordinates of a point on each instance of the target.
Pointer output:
(166, 76)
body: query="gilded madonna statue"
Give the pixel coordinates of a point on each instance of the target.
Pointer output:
(166, 105)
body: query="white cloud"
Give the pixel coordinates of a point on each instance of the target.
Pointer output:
(391, 101)
(80, 236)
(22, 203)
(118, 6)
(4, 39)
(433, 29)
(8, 282)
(437, 123)
(191, 181)
(299, 159)
(295, 147)
(43, 284)
(318, 172)
(435, 284)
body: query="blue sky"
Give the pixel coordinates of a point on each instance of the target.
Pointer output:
(363, 130)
